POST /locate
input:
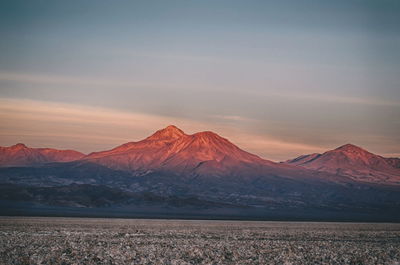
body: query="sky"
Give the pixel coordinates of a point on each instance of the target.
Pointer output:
(277, 78)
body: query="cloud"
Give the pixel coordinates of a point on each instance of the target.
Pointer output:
(338, 99)
(77, 81)
(137, 83)
(232, 118)
(272, 148)
(165, 56)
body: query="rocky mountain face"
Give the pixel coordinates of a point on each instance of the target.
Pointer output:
(204, 170)
(354, 162)
(21, 155)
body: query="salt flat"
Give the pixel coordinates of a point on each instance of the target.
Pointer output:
(45, 240)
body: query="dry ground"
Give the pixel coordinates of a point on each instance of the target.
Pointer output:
(128, 241)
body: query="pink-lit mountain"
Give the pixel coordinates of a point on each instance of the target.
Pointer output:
(354, 162)
(203, 153)
(21, 155)
(173, 150)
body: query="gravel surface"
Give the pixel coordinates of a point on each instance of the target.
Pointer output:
(129, 241)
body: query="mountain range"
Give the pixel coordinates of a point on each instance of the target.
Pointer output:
(200, 174)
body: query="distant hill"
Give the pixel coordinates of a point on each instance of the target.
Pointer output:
(21, 155)
(354, 162)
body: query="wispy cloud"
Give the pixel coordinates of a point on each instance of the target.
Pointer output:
(51, 79)
(166, 56)
(232, 118)
(338, 99)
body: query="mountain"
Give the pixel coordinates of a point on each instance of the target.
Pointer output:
(21, 155)
(354, 162)
(171, 150)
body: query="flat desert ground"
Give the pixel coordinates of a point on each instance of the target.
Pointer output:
(47, 240)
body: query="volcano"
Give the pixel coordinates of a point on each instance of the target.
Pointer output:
(354, 162)
(171, 150)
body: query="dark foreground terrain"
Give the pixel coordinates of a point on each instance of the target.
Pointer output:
(128, 241)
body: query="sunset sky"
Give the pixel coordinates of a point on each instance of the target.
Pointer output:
(277, 78)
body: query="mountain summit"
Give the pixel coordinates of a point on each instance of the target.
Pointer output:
(18, 146)
(351, 149)
(170, 132)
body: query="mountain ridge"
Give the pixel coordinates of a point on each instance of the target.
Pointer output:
(171, 150)
(21, 155)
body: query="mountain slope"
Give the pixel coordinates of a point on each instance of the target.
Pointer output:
(21, 155)
(303, 159)
(393, 161)
(352, 161)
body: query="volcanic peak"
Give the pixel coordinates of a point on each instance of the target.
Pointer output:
(170, 132)
(18, 146)
(207, 136)
(349, 148)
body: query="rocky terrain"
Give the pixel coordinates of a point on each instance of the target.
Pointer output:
(123, 241)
